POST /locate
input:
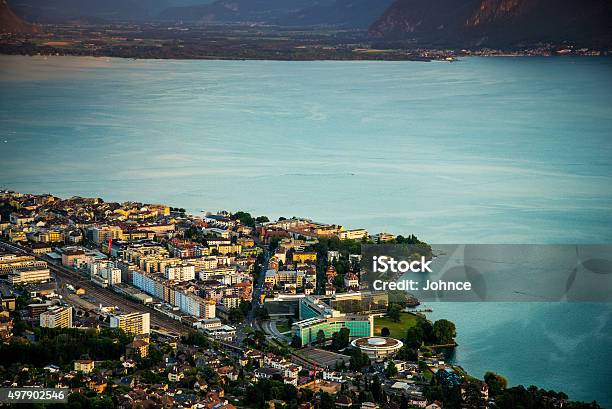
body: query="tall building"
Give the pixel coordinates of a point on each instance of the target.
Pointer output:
(102, 234)
(56, 317)
(180, 272)
(105, 273)
(135, 323)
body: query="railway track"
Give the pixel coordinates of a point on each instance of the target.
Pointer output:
(104, 296)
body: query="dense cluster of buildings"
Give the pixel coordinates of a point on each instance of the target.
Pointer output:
(198, 271)
(23, 269)
(188, 267)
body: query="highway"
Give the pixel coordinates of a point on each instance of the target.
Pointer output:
(98, 295)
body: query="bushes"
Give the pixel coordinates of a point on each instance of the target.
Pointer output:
(62, 346)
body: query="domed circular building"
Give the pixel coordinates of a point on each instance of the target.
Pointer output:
(377, 347)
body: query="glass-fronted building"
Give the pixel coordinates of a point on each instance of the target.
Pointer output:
(316, 315)
(358, 325)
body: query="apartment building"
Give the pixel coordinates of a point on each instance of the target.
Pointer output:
(135, 323)
(180, 272)
(56, 317)
(355, 234)
(276, 277)
(102, 234)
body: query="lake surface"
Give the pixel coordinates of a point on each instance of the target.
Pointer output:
(498, 150)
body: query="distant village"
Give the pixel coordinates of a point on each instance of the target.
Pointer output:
(133, 305)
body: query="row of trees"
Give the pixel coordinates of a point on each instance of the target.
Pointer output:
(248, 220)
(62, 346)
(267, 389)
(237, 315)
(441, 332)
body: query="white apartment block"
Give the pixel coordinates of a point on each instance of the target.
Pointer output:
(180, 272)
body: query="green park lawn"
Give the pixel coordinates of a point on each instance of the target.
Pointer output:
(282, 326)
(397, 329)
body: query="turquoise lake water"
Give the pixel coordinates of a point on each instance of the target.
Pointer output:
(498, 150)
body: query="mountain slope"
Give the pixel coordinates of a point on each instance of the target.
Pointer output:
(236, 10)
(497, 22)
(345, 13)
(10, 23)
(112, 10)
(435, 19)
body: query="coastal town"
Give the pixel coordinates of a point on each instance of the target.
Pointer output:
(135, 305)
(156, 40)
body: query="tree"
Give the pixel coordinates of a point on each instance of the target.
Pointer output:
(359, 360)
(341, 338)
(398, 297)
(262, 219)
(391, 370)
(320, 337)
(195, 337)
(376, 389)
(256, 339)
(414, 337)
(534, 397)
(427, 330)
(394, 312)
(444, 331)
(296, 342)
(236, 315)
(335, 344)
(245, 218)
(385, 332)
(274, 243)
(326, 401)
(496, 383)
(407, 354)
(264, 314)
(245, 307)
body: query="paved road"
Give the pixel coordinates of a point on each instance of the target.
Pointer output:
(250, 320)
(104, 296)
(258, 289)
(269, 327)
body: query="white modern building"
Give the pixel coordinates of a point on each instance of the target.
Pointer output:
(377, 347)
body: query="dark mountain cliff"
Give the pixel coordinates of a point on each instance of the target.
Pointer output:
(344, 13)
(10, 23)
(497, 22)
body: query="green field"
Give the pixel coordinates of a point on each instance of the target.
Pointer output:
(282, 326)
(397, 329)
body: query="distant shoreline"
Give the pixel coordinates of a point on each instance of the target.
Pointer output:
(221, 58)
